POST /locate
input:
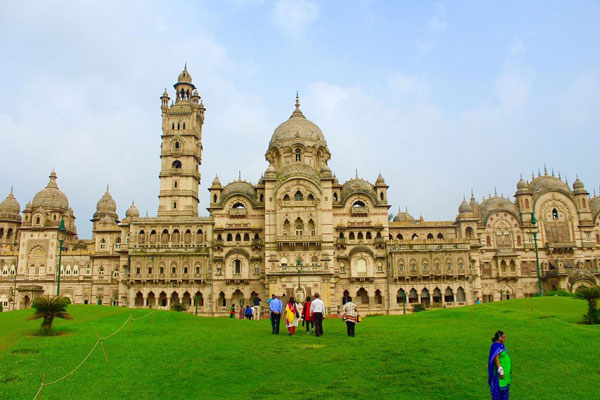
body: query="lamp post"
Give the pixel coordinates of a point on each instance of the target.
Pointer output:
(196, 300)
(404, 301)
(537, 257)
(61, 238)
(299, 266)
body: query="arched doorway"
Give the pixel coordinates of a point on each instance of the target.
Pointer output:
(400, 296)
(238, 297)
(412, 296)
(174, 298)
(187, 299)
(151, 300)
(26, 301)
(222, 301)
(362, 297)
(449, 295)
(425, 300)
(200, 301)
(437, 296)
(162, 299)
(378, 298)
(139, 299)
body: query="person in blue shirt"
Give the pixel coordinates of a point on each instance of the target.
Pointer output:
(275, 307)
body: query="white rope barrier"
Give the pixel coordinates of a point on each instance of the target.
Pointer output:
(98, 341)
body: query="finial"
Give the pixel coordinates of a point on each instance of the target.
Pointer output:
(297, 100)
(545, 170)
(521, 176)
(472, 197)
(11, 190)
(495, 192)
(594, 192)
(406, 208)
(552, 171)
(567, 180)
(107, 188)
(539, 174)
(559, 175)
(239, 175)
(464, 198)
(356, 173)
(132, 202)
(532, 176)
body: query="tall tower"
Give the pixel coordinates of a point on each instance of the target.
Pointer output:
(181, 149)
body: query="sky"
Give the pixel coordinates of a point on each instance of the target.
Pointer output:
(441, 98)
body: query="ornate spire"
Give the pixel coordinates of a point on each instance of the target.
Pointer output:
(297, 112)
(545, 170)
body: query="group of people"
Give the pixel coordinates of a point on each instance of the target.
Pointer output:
(311, 313)
(247, 312)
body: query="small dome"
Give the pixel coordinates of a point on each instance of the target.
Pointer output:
(270, 170)
(28, 206)
(165, 93)
(578, 184)
(335, 180)
(465, 208)
(106, 206)
(522, 184)
(185, 76)
(325, 170)
(380, 181)
(51, 197)
(216, 182)
(10, 208)
(132, 211)
(403, 216)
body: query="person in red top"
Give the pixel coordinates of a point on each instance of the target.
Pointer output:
(308, 319)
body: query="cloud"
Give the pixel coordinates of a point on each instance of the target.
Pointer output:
(293, 16)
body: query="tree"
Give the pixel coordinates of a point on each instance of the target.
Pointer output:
(50, 307)
(591, 295)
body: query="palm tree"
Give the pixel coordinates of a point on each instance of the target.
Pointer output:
(591, 295)
(49, 307)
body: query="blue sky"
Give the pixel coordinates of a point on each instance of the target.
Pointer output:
(441, 98)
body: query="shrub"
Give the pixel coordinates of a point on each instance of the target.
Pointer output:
(48, 308)
(418, 307)
(591, 295)
(178, 307)
(558, 292)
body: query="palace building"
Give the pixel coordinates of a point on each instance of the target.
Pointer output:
(297, 231)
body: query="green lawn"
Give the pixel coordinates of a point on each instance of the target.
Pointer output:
(432, 355)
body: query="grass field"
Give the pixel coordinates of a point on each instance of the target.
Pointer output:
(432, 355)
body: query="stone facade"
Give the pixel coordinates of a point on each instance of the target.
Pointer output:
(298, 232)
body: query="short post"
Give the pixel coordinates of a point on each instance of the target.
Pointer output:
(130, 321)
(404, 301)
(196, 300)
(103, 349)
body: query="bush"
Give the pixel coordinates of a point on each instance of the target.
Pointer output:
(178, 307)
(557, 292)
(418, 307)
(591, 295)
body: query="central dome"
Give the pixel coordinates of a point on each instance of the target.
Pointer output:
(51, 197)
(297, 129)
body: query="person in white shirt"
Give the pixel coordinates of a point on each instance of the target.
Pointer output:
(317, 311)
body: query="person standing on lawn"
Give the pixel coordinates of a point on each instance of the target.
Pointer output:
(242, 312)
(499, 368)
(248, 312)
(317, 312)
(291, 316)
(350, 316)
(256, 301)
(275, 307)
(232, 312)
(308, 319)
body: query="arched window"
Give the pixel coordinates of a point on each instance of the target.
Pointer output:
(246, 237)
(229, 237)
(597, 238)
(101, 271)
(187, 236)
(102, 244)
(381, 196)
(359, 236)
(256, 237)
(519, 240)
(239, 206)
(286, 198)
(351, 236)
(335, 197)
(311, 197)
(379, 266)
(286, 228)
(215, 198)
(237, 267)
(200, 236)
(138, 270)
(299, 225)
(161, 270)
(298, 196)
(378, 298)
(238, 237)
(425, 266)
(526, 203)
(413, 297)
(415, 236)
(311, 228)
(173, 270)
(153, 236)
(368, 235)
(413, 266)
(342, 235)
(298, 155)
(429, 236)
(176, 145)
(469, 232)
(361, 266)
(399, 236)
(358, 203)
(440, 236)
(164, 238)
(362, 297)
(460, 294)
(175, 237)
(262, 198)
(342, 268)
(176, 164)
(449, 295)
(554, 213)
(583, 203)
(185, 270)
(400, 267)
(400, 296)
(488, 241)
(284, 261)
